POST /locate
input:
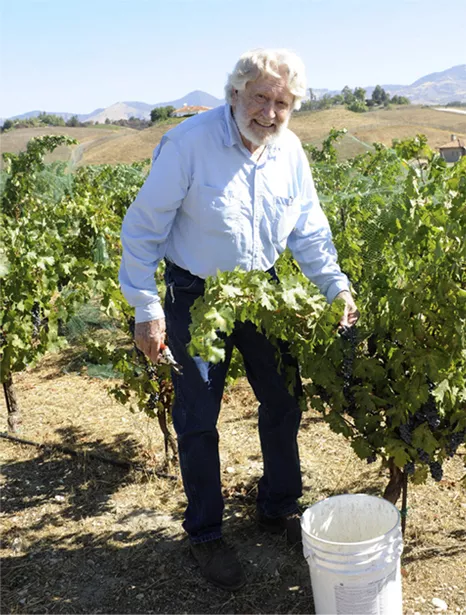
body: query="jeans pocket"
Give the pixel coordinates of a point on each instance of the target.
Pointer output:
(178, 279)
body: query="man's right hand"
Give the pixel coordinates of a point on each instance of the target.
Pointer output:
(149, 336)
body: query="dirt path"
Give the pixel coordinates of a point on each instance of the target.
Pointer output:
(79, 151)
(450, 110)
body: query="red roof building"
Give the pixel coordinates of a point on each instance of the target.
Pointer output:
(454, 150)
(186, 110)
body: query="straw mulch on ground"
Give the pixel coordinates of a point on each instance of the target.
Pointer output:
(82, 536)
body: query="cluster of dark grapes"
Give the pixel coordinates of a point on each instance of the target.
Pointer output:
(423, 456)
(409, 468)
(405, 433)
(350, 337)
(2, 339)
(456, 439)
(427, 413)
(372, 345)
(435, 467)
(436, 470)
(36, 319)
(153, 401)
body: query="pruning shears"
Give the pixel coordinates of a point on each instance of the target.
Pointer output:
(167, 357)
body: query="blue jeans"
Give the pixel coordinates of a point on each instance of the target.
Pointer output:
(198, 395)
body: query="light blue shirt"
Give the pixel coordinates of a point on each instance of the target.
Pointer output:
(207, 205)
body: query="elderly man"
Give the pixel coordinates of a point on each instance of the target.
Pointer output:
(230, 187)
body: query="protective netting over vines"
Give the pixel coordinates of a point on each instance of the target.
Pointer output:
(395, 386)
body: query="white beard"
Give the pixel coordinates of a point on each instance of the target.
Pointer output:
(243, 123)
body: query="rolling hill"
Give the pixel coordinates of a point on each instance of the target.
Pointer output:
(125, 110)
(434, 89)
(112, 144)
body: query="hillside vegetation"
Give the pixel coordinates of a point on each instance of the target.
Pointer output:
(15, 141)
(111, 144)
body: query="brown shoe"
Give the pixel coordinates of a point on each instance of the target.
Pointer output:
(219, 564)
(289, 524)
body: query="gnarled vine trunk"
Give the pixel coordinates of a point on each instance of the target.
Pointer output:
(14, 413)
(166, 397)
(395, 485)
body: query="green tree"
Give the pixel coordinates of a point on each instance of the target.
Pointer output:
(161, 113)
(347, 94)
(358, 106)
(325, 102)
(400, 100)
(7, 124)
(73, 121)
(380, 96)
(456, 103)
(50, 119)
(360, 94)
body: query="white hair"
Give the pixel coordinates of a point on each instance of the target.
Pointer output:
(261, 62)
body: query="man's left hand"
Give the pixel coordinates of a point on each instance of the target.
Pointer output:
(351, 314)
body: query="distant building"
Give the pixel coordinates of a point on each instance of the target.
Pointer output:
(186, 110)
(454, 150)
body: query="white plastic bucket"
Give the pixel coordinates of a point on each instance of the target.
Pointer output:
(353, 545)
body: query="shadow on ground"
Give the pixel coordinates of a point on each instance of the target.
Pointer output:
(88, 485)
(78, 554)
(148, 572)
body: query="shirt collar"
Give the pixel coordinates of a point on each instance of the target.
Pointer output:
(233, 136)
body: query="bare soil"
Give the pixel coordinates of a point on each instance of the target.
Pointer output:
(83, 536)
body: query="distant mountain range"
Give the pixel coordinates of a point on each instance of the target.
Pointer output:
(434, 89)
(125, 110)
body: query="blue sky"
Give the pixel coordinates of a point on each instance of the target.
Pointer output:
(77, 55)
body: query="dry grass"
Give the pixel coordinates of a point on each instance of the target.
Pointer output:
(133, 147)
(114, 144)
(312, 127)
(15, 141)
(85, 537)
(380, 126)
(375, 126)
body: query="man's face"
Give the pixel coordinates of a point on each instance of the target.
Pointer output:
(262, 110)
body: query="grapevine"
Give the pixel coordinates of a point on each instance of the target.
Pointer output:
(395, 386)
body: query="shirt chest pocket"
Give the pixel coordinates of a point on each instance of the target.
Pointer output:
(219, 211)
(286, 215)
